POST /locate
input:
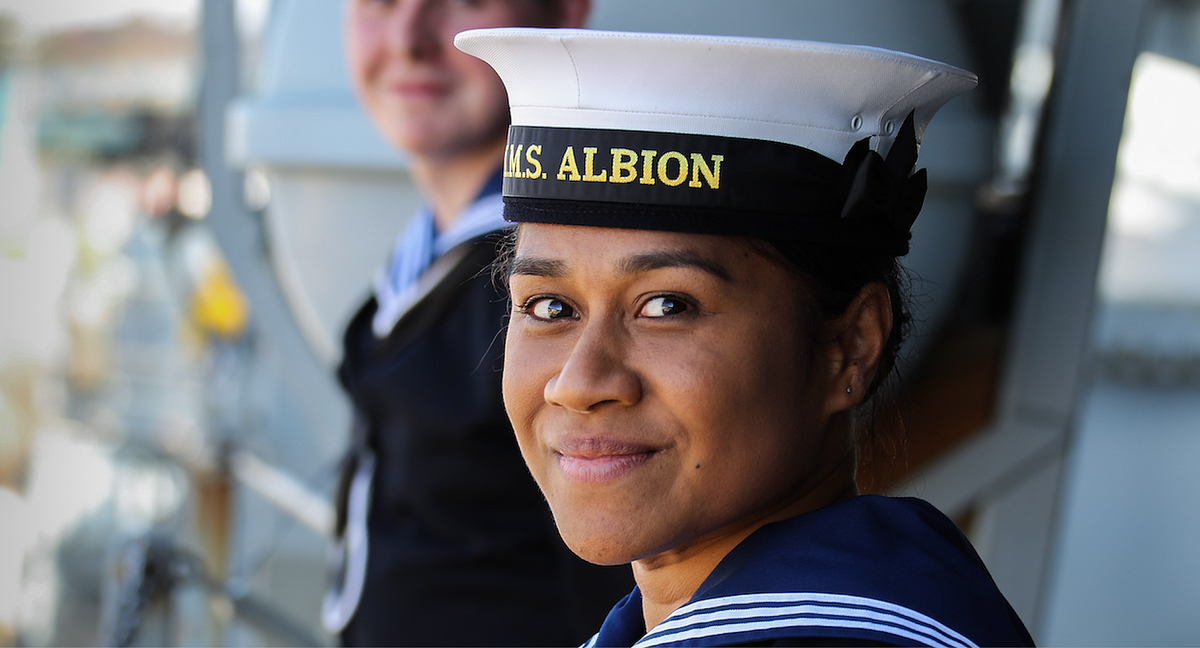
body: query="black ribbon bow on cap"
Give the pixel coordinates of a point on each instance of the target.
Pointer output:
(885, 191)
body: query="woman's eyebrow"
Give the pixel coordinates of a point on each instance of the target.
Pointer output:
(673, 259)
(538, 267)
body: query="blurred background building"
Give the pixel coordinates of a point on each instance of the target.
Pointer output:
(191, 203)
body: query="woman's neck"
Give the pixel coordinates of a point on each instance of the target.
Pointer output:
(668, 580)
(450, 184)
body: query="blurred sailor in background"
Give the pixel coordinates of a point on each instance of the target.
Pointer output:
(443, 538)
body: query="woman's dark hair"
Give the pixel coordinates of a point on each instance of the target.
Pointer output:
(834, 275)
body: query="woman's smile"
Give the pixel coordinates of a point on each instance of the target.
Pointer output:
(595, 460)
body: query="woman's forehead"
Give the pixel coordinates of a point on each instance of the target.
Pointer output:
(560, 251)
(568, 243)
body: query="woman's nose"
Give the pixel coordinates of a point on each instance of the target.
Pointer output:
(595, 373)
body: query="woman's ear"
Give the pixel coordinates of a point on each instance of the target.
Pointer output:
(854, 345)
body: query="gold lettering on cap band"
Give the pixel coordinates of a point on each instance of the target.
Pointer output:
(679, 169)
(648, 167)
(623, 169)
(716, 185)
(568, 166)
(624, 165)
(711, 175)
(532, 166)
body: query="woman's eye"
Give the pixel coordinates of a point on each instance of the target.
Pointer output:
(663, 306)
(549, 308)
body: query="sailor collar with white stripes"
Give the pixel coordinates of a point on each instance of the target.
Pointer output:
(878, 569)
(727, 619)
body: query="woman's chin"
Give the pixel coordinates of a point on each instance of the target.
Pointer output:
(599, 547)
(599, 552)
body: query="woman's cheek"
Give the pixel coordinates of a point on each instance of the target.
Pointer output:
(520, 384)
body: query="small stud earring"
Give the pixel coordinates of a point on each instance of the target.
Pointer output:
(849, 390)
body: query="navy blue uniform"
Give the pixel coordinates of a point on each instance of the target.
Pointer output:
(866, 571)
(463, 549)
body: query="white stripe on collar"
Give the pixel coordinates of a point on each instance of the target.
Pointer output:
(483, 216)
(417, 247)
(729, 615)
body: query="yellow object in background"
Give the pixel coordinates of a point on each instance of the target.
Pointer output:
(218, 305)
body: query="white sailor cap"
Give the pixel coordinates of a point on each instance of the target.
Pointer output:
(714, 134)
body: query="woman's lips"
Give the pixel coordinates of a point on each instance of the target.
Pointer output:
(599, 460)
